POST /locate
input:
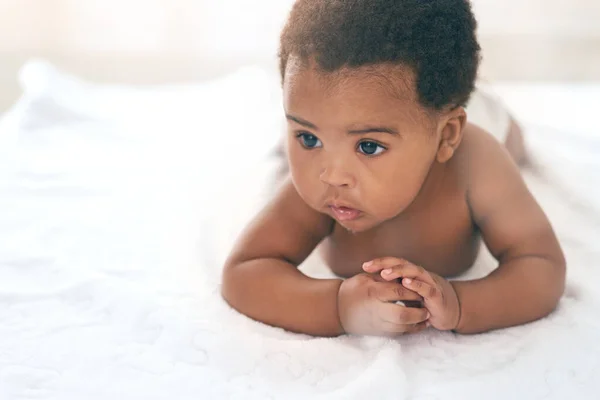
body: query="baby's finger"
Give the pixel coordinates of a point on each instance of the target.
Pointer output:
(397, 314)
(429, 292)
(378, 264)
(407, 270)
(392, 273)
(393, 291)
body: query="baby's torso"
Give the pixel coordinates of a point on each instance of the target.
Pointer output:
(439, 235)
(443, 241)
(446, 246)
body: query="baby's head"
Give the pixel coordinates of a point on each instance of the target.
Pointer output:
(374, 93)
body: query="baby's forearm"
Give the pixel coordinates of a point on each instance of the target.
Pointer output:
(519, 291)
(277, 293)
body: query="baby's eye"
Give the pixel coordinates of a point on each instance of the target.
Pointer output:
(370, 148)
(309, 141)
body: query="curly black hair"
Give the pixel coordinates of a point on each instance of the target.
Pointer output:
(435, 38)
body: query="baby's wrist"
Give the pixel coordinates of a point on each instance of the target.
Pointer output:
(457, 326)
(341, 329)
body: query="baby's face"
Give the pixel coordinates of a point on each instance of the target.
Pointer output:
(360, 146)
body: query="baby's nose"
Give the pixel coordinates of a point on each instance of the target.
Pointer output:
(336, 176)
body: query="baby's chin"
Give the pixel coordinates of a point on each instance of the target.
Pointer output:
(364, 223)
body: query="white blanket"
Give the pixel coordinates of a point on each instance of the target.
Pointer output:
(118, 205)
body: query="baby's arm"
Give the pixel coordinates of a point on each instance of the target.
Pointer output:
(261, 278)
(530, 279)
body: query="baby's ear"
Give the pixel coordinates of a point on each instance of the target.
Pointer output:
(452, 125)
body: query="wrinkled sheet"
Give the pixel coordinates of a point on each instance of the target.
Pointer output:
(118, 206)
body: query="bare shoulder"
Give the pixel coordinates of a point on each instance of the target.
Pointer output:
(480, 148)
(287, 228)
(511, 221)
(486, 165)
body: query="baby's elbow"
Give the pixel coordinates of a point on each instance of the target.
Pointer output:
(229, 291)
(556, 287)
(561, 278)
(560, 273)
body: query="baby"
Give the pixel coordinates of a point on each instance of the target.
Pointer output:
(392, 184)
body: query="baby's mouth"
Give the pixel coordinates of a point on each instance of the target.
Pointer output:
(342, 213)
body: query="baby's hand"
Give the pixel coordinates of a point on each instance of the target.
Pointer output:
(367, 306)
(439, 296)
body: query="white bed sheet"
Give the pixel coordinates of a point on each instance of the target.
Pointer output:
(117, 207)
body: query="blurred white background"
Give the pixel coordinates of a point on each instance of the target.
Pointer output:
(156, 41)
(119, 205)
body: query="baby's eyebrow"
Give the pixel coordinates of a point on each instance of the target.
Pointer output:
(367, 129)
(374, 129)
(302, 122)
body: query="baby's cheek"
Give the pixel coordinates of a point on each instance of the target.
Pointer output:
(393, 195)
(306, 187)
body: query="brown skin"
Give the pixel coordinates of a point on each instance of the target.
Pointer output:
(434, 186)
